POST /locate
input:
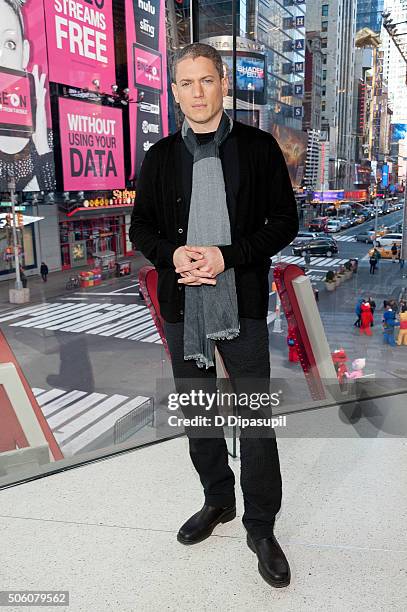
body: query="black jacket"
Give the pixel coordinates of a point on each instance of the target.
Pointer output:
(261, 204)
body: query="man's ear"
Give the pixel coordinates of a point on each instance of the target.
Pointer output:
(26, 54)
(175, 92)
(225, 86)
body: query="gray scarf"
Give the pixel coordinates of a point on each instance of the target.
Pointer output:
(211, 311)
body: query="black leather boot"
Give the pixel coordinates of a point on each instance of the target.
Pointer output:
(273, 565)
(200, 525)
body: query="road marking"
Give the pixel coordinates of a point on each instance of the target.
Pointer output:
(80, 423)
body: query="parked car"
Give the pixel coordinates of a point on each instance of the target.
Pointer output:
(333, 226)
(317, 246)
(318, 224)
(388, 240)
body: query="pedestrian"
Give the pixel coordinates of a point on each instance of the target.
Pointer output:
(402, 305)
(23, 277)
(372, 307)
(402, 335)
(366, 319)
(389, 323)
(358, 311)
(393, 305)
(195, 191)
(394, 251)
(44, 271)
(374, 260)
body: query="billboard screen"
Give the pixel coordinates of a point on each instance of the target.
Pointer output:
(249, 72)
(92, 146)
(147, 76)
(293, 144)
(399, 131)
(81, 43)
(26, 146)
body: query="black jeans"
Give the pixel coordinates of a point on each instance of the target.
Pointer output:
(245, 357)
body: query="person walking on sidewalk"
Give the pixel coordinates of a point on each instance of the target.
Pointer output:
(23, 277)
(195, 220)
(394, 251)
(372, 307)
(374, 260)
(44, 271)
(358, 311)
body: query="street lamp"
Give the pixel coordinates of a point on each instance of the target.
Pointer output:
(12, 188)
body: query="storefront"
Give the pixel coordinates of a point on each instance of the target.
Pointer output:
(93, 227)
(26, 244)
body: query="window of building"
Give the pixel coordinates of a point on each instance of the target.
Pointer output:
(324, 26)
(324, 43)
(324, 10)
(323, 105)
(324, 75)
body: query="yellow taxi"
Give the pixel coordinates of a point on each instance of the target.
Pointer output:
(385, 252)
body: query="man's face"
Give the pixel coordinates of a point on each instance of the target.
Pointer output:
(199, 90)
(14, 50)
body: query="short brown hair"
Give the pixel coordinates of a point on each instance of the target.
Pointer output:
(195, 50)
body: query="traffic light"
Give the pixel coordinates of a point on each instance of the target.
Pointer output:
(20, 219)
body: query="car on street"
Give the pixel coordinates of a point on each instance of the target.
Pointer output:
(316, 247)
(318, 224)
(364, 236)
(389, 239)
(333, 226)
(345, 222)
(304, 237)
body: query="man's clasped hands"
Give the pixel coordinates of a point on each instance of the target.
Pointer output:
(198, 265)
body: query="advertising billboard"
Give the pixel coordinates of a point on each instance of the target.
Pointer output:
(147, 76)
(81, 43)
(293, 144)
(250, 72)
(399, 131)
(26, 147)
(92, 146)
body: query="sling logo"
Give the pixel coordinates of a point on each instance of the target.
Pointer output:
(147, 145)
(147, 28)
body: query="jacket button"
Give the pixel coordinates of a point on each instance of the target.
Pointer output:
(181, 312)
(180, 230)
(179, 200)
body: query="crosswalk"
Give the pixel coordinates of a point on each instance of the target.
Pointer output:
(315, 261)
(345, 238)
(125, 321)
(122, 321)
(79, 420)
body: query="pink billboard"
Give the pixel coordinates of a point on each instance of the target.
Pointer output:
(92, 146)
(147, 68)
(81, 43)
(15, 103)
(26, 144)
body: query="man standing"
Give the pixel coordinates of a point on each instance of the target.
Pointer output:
(44, 271)
(214, 203)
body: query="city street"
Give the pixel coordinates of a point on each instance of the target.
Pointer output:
(93, 355)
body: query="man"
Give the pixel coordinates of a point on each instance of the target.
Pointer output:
(44, 271)
(214, 203)
(394, 250)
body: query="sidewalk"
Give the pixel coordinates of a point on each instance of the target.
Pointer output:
(56, 283)
(107, 532)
